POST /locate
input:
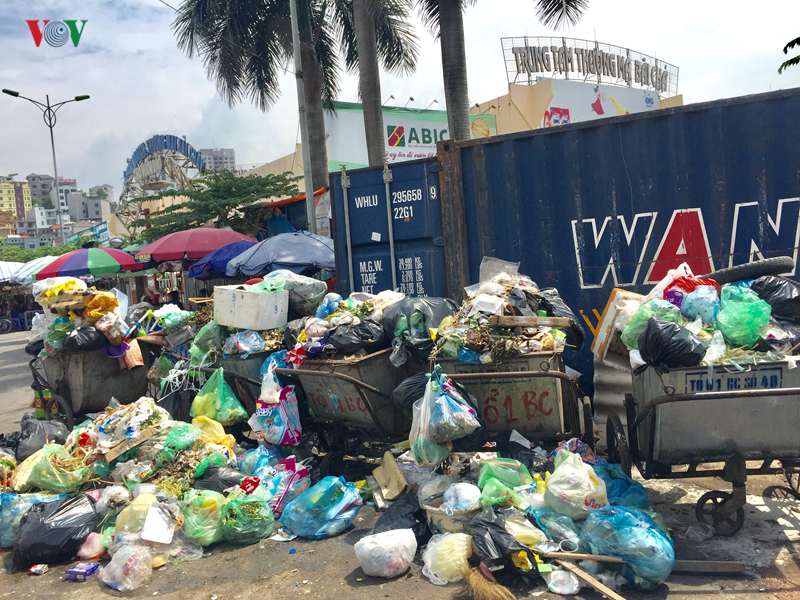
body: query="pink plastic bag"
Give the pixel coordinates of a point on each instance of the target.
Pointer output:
(280, 423)
(285, 481)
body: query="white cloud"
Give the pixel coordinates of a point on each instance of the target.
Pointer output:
(140, 84)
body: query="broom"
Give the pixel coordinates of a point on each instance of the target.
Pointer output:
(478, 587)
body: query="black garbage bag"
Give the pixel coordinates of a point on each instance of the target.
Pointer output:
(136, 312)
(178, 403)
(532, 461)
(666, 345)
(782, 294)
(367, 335)
(34, 348)
(34, 434)
(293, 329)
(219, 478)
(53, 531)
(788, 342)
(491, 541)
(84, 339)
(9, 442)
(408, 323)
(405, 513)
(409, 391)
(549, 301)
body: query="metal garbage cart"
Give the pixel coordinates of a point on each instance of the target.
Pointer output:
(530, 393)
(691, 416)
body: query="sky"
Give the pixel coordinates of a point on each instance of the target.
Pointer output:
(141, 85)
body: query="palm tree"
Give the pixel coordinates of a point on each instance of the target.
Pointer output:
(246, 44)
(445, 20)
(795, 60)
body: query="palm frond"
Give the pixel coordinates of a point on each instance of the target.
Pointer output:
(790, 45)
(557, 13)
(327, 57)
(792, 62)
(398, 45)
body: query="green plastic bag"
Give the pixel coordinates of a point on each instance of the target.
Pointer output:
(178, 440)
(247, 519)
(211, 336)
(216, 401)
(46, 475)
(273, 284)
(660, 309)
(496, 493)
(203, 516)
(742, 314)
(510, 472)
(215, 458)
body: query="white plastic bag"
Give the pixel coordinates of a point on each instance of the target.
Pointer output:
(573, 489)
(426, 452)
(435, 484)
(270, 388)
(129, 568)
(386, 554)
(627, 308)
(461, 496)
(716, 349)
(657, 293)
(446, 556)
(39, 327)
(562, 582)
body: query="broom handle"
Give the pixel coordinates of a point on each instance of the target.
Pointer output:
(575, 556)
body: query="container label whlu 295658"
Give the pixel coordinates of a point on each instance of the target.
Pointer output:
(724, 381)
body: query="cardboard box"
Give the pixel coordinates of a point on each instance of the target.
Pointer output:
(607, 346)
(243, 309)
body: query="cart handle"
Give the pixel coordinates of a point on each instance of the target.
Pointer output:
(209, 370)
(339, 376)
(509, 375)
(671, 398)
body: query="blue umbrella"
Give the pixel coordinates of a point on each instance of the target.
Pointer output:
(217, 261)
(291, 251)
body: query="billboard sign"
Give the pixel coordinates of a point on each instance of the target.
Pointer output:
(576, 101)
(99, 231)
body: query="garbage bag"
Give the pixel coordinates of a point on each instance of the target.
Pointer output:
(243, 343)
(293, 329)
(219, 478)
(631, 535)
(330, 304)
(620, 488)
(461, 496)
(573, 489)
(452, 416)
(660, 309)
(34, 434)
(324, 510)
(703, 302)
(264, 455)
(405, 513)
(213, 432)
(280, 423)
(510, 472)
(665, 345)
(386, 554)
(99, 304)
(367, 335)
(203, 514)
(85, 339)
(783, 296)
(681, 287)
(533, 462)
(524, 531)
(136, 312)
(178, 439)
(408, 323)
(557, 527)
(432, 485)
(50, 471)
(12, 508)
(492, 543)
(549, 301)
(178, 403)
(446, 557)
(210, 336)
(496, 493)
(131, 519)
(53, 531)
(130, 567)
(426, 452)
(285, 481)
(408, 392)
(113, 327)
(217, 401)
(741, 316)
(305, 293)
(215, 459)
(247, 519)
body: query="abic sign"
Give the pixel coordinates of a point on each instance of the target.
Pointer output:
(600, 62)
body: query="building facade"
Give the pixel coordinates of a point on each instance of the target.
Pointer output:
(219, 158)
(15, 196)
(41, 185)
(65, 188)
(108, 190)
(7, 223)
(92, 208)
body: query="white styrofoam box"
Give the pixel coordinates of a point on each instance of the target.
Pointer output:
(243, 309)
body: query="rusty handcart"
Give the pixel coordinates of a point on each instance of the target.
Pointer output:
(691, 416)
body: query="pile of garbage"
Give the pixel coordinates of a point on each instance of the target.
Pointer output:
(78, 318)
(687, 321)
(480, 333)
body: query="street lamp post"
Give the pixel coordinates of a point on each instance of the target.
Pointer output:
(49, 115)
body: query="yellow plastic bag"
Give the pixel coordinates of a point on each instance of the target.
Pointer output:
(20, 479)
(213, 432)
(525, 531)
(446, 556)
(131, 519)
(99, 304)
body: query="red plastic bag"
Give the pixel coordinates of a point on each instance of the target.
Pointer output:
(685, 285)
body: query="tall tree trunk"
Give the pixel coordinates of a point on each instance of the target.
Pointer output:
(454, 68)
(312, 85)
(369, 81)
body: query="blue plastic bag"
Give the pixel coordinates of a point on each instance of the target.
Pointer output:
(631, 535)
(555, 526)
(12, 507)
(703, 302)
(263, 456)
(621, 489)
(330, 304)
(243, 344)
(451, 420)
(323, 511)
(279, 358)
(469, 356)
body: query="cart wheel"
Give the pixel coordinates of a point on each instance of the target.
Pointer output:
(588, 425)
(791, 470)
(63, 411)
(332, 465)
(6, 325)
(617, 443)
(707, 508)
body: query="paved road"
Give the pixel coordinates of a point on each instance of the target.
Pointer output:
(16, 395)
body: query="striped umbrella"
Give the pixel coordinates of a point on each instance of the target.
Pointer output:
(7, 270)
(26, 274)
(89, 261)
